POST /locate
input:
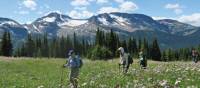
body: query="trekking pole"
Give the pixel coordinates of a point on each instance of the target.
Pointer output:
(61, 79)
(119, 68)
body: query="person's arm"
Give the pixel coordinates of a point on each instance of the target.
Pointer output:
(67, 62)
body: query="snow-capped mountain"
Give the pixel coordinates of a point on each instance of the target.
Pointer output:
(54, 24)
(178, 28)
(170, 33)
(127, 22)
(17, 30)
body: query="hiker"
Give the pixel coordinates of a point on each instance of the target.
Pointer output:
(74, 63)
(195, 55)
(125, 60)
(143, 60)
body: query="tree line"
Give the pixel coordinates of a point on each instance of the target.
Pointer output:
(104, 47)
(107, 43)
(52, 48)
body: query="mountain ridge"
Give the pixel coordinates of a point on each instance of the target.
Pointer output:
(170, 33)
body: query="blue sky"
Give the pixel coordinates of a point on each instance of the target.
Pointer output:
(25, 11)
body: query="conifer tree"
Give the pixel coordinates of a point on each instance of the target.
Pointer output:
(6, 46)
(155, 51)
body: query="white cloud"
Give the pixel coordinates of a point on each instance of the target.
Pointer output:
(31, 4)
(193, 19)
(172, 6)
(108, 10)
(102, 1)
(175, 7)
(80, 8)
(80, 14)
(80, 3)
(23, 12)
(56, 11)
(128, 6)
(91, 0)
(119, 1)
(40, 12)
(178, 11)
(47, 6)
(159, 18)
(28, 22)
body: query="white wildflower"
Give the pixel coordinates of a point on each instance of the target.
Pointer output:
(177, 82)
(41, 86)
(187, 68)
(199, 70)
(92, 82)
(84, 84)
(163, 83)
(192, 86)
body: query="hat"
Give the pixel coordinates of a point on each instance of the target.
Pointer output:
(71, 52)
(121, 49)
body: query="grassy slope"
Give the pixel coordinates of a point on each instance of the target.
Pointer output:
(32, 73)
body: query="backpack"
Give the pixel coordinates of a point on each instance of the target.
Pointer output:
(130, 60)
(72, 63)
(79, 62)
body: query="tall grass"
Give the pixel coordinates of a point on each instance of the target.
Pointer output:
(47, 73)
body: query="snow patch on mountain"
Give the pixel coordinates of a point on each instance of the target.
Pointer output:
(122, 21)
(189, 32)
(49, 19)
(8, 23)
(103, 21)
(73, 22)
(36, 28)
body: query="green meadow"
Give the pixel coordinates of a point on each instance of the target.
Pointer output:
(48, 73)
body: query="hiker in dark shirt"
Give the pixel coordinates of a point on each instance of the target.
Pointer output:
(74, 63)
(195, 55)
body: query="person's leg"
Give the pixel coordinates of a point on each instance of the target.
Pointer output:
(196, 59)
(141, 63)
(119, 68)
(193, 58)
(124, 68)
(73, 83)
(71, 79)
(76, 74)
(76, 83)
(127, 67)
(145, 64)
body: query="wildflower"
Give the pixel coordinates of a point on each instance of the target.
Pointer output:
(84, 84)
(92, 82)
(192, 86)
(193, 69)
(41, 86)
(187, 68)
(102, 86)
(199, 70)
(177, 82)
(167, 70)
(163, 83)
(149, 79)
